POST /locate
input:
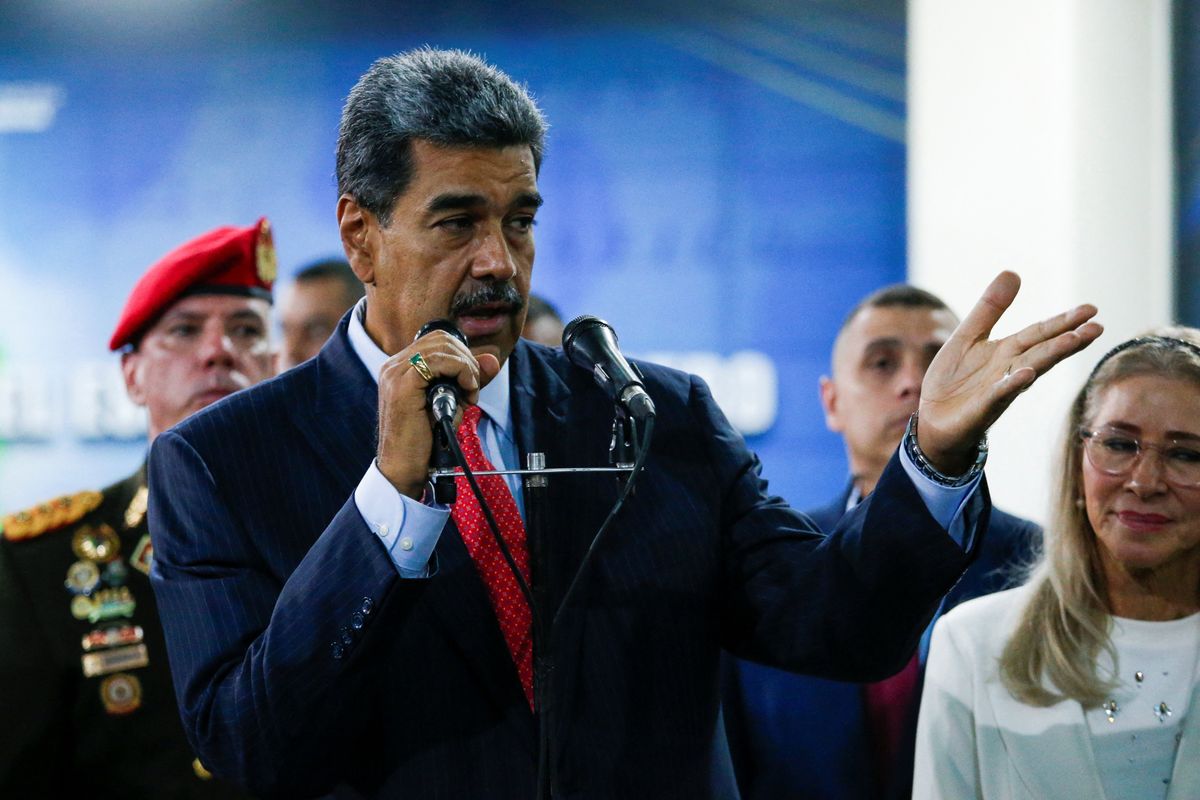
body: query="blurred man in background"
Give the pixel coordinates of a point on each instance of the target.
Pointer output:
(801, 737)
(313, 305)
(86, 698)
(543, 323)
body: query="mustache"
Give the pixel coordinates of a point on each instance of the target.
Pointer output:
(488, 294)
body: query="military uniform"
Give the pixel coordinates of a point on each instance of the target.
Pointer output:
(87, 707)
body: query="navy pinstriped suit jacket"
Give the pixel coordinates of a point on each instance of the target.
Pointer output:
(807, 738)
(262, 562)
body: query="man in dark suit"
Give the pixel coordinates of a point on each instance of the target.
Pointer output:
(331, 623)
(85, 691)
(798, 736)
(311, 307)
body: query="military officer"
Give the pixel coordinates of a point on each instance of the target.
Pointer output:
(86, 701)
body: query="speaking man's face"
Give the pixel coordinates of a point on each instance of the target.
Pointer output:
(459, 245)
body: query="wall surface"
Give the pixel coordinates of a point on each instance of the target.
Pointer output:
(1040, 141)
(722, 183)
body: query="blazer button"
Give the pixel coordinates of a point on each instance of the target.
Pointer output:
(347, 638)
(356, 621)
(337, 650)
(367, 606)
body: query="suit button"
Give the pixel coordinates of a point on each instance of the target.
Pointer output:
(367, 605)
(337, 650)
(347, 638)
(356, 621)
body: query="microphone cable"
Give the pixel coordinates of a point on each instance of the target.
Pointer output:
(452, 440)
(643, 453)
(639, 463)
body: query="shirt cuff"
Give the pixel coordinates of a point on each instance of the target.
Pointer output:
(945, 503)
(407, 529)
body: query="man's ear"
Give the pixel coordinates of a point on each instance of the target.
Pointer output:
(129, 365)
(358, 228)
(829, 402)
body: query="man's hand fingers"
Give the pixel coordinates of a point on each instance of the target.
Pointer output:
(1038, 361)
(996, 299)
(1047, 329)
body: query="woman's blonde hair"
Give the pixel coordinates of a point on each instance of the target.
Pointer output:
(1053, 654)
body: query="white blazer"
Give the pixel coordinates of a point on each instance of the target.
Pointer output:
(974, 740)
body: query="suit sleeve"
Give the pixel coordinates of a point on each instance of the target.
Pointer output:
(851, 605)
(947, 764)
(267, 676)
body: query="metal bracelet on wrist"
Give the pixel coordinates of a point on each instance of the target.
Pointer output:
(927, 469)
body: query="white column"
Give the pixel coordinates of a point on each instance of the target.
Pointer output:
(1040, 141)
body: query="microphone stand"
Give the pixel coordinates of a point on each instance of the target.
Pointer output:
(626, 462)
(442, 463)
(540, 575)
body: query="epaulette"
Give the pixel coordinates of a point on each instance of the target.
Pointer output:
(49, 516)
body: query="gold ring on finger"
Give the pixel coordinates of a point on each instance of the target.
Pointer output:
(421, 366)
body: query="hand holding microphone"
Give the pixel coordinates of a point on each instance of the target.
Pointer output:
(443, 395)
(407, 396)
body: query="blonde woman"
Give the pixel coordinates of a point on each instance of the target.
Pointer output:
(1083, 682)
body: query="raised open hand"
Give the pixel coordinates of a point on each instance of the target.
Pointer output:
(973, 379)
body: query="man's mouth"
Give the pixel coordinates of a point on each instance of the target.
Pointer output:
(212, 394)
(486, 309)
(485, 319)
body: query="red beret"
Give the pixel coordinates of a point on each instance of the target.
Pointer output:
(227, 260)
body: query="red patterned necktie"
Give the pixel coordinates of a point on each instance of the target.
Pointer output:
(512, 610)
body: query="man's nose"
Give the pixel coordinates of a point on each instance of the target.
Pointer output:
(216, 347)
(909, 378)
(494, 258)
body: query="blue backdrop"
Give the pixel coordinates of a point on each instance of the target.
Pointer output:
(716, 181)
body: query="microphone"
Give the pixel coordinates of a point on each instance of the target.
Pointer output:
(591, 344)
(442, 394)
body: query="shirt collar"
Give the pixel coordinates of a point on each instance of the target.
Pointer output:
(493, 398)
(855, 497)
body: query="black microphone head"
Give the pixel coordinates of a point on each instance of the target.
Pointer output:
(442, 325)
(580, 337)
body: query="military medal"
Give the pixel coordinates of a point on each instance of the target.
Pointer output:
(96, 542)
(121, 693)
(115, 573)
(111, 637)
(137, 507)
(143, 555)
(117, 659)
(111, 603)
(82, 577)
(81, 607)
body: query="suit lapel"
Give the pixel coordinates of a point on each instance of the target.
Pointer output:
(341, 419)
(341, 423)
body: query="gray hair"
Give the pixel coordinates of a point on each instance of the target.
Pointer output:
(445, 97)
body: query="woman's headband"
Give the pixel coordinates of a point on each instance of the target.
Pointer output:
(1164, 341)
